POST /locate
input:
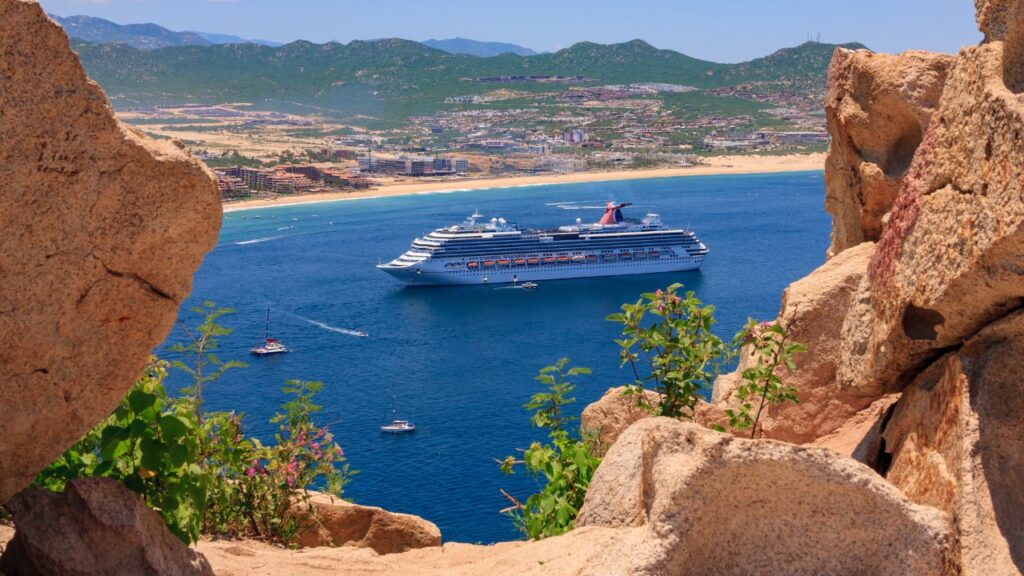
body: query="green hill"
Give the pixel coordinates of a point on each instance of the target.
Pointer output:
(388, 80)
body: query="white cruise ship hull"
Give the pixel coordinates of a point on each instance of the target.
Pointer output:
(500, 253)
(435, 274)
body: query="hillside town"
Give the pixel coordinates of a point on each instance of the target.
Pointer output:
(508, 131)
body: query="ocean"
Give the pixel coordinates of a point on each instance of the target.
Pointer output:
(461, 360)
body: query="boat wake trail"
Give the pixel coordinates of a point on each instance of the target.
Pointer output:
(256, 240)
(569, 206)
(330, 328)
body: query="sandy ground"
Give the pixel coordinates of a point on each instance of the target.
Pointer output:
(715, 165)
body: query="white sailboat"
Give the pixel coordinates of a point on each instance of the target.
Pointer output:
(396, 426)
(270, 345)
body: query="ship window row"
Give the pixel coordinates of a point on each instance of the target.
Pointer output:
(522, 249)
(595, 241)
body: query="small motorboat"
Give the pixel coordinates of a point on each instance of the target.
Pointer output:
(394, 425)
(529, 285)
(398, 427)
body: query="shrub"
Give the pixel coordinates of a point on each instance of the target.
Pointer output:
(668, 344)
(150, 444)
(772, 349)
(270, 481)
(567, 464)
(198, 469)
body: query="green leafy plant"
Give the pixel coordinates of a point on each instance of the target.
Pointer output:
(272, 491)
(668, 344)
(772, 349)
(152, 445)
(207, 366)
(566, 465)
(198, 469)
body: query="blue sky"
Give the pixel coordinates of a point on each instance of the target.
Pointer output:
(719, 30)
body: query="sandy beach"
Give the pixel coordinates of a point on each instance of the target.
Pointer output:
(714, 165)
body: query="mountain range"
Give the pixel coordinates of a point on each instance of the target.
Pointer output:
(387, 80)
(478, 48)
(143, 36)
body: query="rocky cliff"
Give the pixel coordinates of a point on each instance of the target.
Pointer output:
(103, 229)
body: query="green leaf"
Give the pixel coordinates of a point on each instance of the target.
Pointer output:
(140, 400)
(172, 426)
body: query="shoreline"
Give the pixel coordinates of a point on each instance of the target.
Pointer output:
(717, 165)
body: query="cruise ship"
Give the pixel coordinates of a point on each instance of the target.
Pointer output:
(497, 252)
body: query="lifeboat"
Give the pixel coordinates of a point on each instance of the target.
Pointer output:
(503, 262)
(563, 258)
(488, 263)
(519, 261)
(577, 258)
(608, 256)
(591, 257)
(654, 254)
(549, 260)
(533, 261)
(472, 265)
(625, 255)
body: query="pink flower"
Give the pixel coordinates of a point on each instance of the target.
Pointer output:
(250, 472)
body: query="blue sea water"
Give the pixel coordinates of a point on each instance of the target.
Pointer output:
(462, 359)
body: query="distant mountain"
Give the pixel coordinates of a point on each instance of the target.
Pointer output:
(230, 39)
(477, 48)
(386, 81)
(142, 36)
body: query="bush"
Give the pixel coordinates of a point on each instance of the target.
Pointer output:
(668, 344)
(566, 465)
(198, 469)
(150, 444)
(268, 481)
(772, 349)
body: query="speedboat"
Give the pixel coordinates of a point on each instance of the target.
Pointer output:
(398, 427)
(529, 285)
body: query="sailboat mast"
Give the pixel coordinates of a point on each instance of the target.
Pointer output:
(266, 331)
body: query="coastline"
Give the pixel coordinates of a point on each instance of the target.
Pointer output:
(716, 165)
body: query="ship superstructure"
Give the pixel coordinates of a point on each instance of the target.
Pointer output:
(496, 251)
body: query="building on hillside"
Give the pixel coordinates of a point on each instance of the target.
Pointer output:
(559, 164)
(413, 165)
(795, 138)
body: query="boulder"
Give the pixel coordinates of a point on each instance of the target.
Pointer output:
(96, 527)
(949, 259)
(813, 311)
(860, 437)
(878, 108)
(335, 522)
(612, 414)
(954, 442)
(102, 230)
(716, 504)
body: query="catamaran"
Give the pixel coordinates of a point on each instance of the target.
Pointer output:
(270, 345)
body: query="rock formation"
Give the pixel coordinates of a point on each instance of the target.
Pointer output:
(954, 442)
(948, 261)
(878, 108)
(707, 498)
(103, 229)
(609, 417)
(96, 527)
(341, 523)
